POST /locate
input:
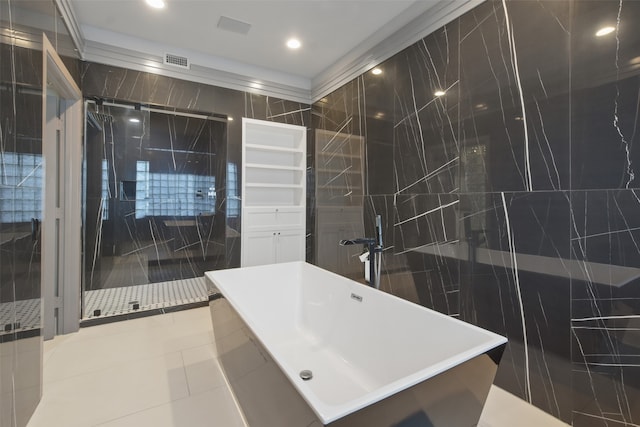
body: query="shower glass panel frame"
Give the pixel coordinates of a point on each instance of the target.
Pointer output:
(154, 208)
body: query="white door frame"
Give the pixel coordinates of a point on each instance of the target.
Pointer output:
(61, 263)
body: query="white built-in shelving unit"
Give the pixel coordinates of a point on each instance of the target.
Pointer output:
(273, 192)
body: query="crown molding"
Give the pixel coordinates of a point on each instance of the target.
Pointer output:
(66, 10)
(380, 48)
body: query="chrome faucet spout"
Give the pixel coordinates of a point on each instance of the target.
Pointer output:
(374, 246)
(358, 241)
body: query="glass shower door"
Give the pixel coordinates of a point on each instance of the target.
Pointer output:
(154, 221)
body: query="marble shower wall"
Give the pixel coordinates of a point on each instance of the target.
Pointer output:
(511, 201)
(154, 188)
(119, 84)
(21, 187)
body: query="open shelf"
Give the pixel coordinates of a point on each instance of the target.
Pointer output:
(261, 147)
(264, 166)
(274, 163)
(275, 159)
(273, 192)
(277, 137)
(273, 175)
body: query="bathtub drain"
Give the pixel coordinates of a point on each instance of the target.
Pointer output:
(306, 375)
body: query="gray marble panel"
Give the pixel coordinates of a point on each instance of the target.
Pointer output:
(605, 306)
(514, 101)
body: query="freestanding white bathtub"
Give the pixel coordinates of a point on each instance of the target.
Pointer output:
(375, 360)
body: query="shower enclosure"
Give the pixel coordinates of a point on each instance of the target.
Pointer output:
(154, 207)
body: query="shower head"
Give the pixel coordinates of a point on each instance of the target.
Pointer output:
(98, 119)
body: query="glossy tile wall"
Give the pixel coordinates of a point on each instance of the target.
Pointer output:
(154, 184)
(511, 200)
(112, 83)
(21, 28)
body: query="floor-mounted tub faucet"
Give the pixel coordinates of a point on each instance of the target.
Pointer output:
(374, 246)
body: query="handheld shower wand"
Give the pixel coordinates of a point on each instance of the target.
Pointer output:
(378, 257)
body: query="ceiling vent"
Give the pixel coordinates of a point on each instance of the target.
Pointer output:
(233, 25)
(177, 61)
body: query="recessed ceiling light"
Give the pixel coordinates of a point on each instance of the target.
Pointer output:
(293, 43)
(519, 118)
(134, 120)
(604, 31)
(376, 71)
(439, 93)
(156, 4)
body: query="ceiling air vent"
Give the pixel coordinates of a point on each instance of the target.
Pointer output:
(176, 60)
(233, 25)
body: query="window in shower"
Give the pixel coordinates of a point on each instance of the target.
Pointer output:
(233, 201)
(20, 184)
(173, 194)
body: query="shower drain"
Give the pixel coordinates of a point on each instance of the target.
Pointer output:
(306, 375)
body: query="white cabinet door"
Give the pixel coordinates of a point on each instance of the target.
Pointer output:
(269, 247)
(259, 248)
(290, 245)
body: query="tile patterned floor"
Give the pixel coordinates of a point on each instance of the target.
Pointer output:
(162, 371)
(23, 315)
(116, 301)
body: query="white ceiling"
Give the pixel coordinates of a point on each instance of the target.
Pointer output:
(328, 29)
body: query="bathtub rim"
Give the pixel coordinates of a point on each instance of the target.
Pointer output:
(329, 413)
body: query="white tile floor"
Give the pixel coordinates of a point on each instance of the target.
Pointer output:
(162, 371)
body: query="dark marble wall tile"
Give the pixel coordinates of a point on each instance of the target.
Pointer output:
(526, 223)
(426, 99)
(605, 91)
(606, 306)
(515, 279)
(425, 234)
(108, 82)
(337, 168)
(154, 195)
(376, 127)
(514, 101)
(454, 241)
(397, 277)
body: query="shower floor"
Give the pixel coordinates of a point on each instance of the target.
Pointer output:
(130, 299)
(19, 316)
